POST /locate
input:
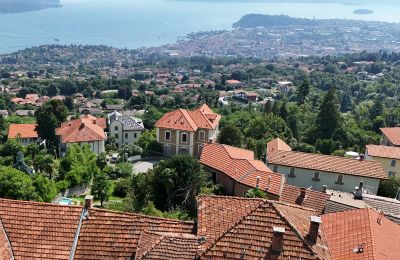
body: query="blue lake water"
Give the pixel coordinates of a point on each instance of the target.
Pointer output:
(145, 23)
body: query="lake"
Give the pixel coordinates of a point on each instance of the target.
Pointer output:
(145, 23)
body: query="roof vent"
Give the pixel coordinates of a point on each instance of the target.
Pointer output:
(359, 249)
(277, 240)
(358, 194)
(302, 196)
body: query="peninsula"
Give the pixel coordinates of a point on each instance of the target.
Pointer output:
(19, 6)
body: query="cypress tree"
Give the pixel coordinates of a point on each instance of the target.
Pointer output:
(328, 120)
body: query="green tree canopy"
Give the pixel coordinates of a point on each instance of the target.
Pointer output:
(101, 187)
(15, 184)
(231, 135)
(328, 119)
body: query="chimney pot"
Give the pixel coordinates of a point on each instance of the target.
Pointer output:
(277, 239)
(358, 194)
(324, 188)
(362, 157)
(88, 201)
(314, 228)
(303, 192)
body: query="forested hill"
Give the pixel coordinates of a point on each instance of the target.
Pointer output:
(16, 6)
(261, 20)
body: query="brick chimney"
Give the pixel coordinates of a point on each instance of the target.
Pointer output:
(302, 196)
(88, 201)
(314, 228)
(277, 240)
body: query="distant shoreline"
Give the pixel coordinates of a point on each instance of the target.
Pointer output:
(22, 6)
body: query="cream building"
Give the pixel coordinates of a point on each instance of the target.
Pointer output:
(387, 156)
(125, 129)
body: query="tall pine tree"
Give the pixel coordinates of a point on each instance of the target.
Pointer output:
(302, 91)
(328, 120)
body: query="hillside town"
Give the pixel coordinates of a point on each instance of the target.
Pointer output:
(111, 154)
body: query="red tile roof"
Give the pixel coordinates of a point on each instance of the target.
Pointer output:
(313, 199)
(347, 230)
(328, 163)
(167, 246)
(186, 120)
(112, 235)
(382, 151)
(238, 228)
(5, 246)
(85, 129)
(392, 134)
(276, 145)
(22, 131)
(39, 230)
(240, 165)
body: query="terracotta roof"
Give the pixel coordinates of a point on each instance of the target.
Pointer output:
(349, 230)
(240, 165)
(85, 129)
(46, 231)
(393, 134)
(113, 235)
(382, 151)
(313, 199)
(277, 144)
(167, 246)
(186, 120)
(238, 228)
(5, 246)
(328, 163)
(39, 230)
(22, 131)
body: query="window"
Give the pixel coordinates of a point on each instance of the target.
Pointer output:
(275, 169)
(392, 174)
(291, 174)
(393, 164)
(202, 135)
(116, 136)
(135, 135)
(116, 128)
(316, 176)
(339, 179)
(167, 135)
(126, 135)
(184, 138)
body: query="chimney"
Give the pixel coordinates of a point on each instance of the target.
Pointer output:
(358, 194)
(88, 201)
(210, 141)
(362, 157)
(324, 188)
(258, 182)
(314, 228)
(301, 197)
(277, 239)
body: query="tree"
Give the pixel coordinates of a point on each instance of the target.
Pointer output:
(52, 90)
(21, 165)
(389, 188)
(376, 110)
(254, 193)
(231, 135)
(46, 189)
(176, 182)
(15, 184)
(328, 119)
(44, 163)
(46, 126)
(268, 107)
(302, 92)
(69, 103)
(101, 188)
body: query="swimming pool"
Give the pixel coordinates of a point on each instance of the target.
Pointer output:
(65, 201)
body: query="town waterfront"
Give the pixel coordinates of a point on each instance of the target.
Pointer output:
(145, 23)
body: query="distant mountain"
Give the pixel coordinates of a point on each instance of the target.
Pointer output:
(16, 6)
